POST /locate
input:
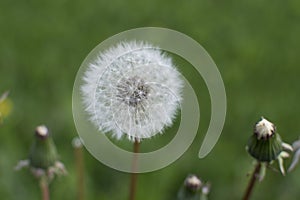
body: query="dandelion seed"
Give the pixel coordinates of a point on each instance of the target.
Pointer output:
(132, 89)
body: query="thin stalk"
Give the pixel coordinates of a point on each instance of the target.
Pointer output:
(44, 188)
(80, 171)
(254, 178)
(134, 175)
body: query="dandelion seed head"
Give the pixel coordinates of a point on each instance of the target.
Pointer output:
(132, 89)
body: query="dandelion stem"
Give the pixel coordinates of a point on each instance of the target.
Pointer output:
(80, 171)
(133, 183)
(44, 188)
(254, 178)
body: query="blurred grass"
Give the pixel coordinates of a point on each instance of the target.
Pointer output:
(254, 43)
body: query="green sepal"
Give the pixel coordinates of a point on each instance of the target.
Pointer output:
(187, 194)
(43, 153)
(265, 150)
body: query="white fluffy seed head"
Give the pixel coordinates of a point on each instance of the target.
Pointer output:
(133, 89)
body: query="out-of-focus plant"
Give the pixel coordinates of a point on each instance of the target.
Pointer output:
(43, 160)
(79, 161)
(266, 146)
(296, 157)
(193, 189)
(6, 106)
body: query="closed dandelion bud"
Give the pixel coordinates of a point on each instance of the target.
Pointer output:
(190, 189)
(265, 144)
(43, 151)
(192, 183)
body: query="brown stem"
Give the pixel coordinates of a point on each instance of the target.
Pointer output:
(133, 182)
(254, 177)
(80, 172)
(44, 189)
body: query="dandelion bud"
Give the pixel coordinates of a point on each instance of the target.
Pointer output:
(42, 132)
(43, 151)
(77, 142)
(192, 183)
(193, 189)
(265, 144)
(264, 129)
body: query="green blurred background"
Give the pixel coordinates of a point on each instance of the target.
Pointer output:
(254, 43)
